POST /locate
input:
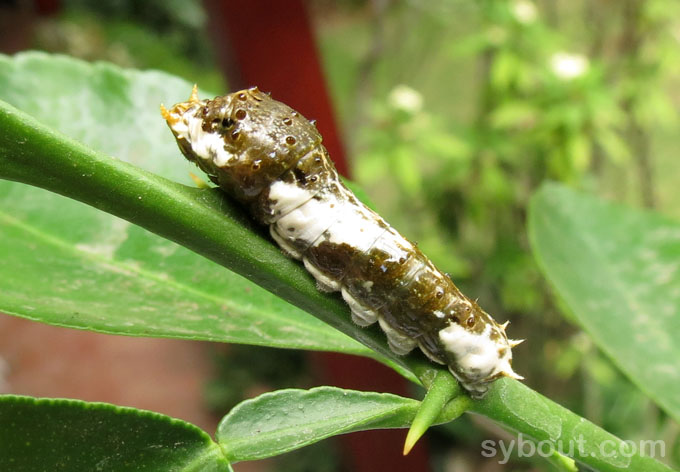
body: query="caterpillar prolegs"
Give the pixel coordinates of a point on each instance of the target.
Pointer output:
(270, 158)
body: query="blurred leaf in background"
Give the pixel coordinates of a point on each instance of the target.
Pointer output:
(164, 35)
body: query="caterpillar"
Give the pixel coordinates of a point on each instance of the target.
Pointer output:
(270, 158)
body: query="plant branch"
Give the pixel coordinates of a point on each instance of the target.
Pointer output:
(209, 224)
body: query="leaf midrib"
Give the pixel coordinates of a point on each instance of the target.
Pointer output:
(295, 429)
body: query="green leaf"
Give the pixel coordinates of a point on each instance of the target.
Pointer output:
(69, 435)
(614, 146)
(617, 270)
(514, 114)
(578, 148)
(285, 420)
(67, 264)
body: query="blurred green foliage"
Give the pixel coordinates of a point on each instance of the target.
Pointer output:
(155, 34)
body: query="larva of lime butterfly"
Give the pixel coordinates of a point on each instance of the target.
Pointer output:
(270, 158)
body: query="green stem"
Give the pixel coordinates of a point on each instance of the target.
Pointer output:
(553, 427)
(211, 225)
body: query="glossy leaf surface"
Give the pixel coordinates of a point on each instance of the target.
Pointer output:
(618, 270)
(55, 434)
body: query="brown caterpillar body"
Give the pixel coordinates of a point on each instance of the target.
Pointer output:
(271, 159)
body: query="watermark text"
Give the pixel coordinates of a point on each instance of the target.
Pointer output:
(523, 447)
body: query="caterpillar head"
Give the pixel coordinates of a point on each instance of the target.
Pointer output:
(243, 140)
(478, 351)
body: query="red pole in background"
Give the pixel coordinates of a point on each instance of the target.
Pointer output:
(270, 44)
(18, 20)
